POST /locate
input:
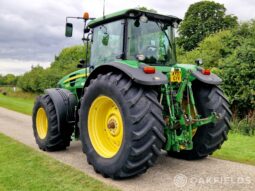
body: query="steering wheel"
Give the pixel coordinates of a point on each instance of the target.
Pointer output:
(151, 48)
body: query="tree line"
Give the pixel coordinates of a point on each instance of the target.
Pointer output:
(39, 79)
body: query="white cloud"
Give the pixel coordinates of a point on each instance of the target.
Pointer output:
(18, 67)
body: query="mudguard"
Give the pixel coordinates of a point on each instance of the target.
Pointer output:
(212, 79)
(136, 74)
(64, 102)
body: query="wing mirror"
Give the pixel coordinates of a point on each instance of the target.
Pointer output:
(69, 30)
(105, 39)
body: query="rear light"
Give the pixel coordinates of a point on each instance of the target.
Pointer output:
(206, 71)
(149, 70)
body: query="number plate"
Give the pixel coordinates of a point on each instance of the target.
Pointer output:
(176, 75)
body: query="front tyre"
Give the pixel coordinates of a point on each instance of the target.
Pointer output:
(121, 126)
(45, 126)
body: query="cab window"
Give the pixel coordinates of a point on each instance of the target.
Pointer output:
(107, 43)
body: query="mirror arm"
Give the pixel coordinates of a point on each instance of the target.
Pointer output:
(73, 18)
(87, 51)
(78, 18)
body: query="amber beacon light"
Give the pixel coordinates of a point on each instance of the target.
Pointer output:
(85, 15)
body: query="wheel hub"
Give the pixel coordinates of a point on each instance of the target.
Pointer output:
(112, 126)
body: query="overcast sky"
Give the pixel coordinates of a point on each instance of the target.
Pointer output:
(32, 31)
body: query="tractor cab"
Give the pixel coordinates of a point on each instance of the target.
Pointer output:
(134, 35)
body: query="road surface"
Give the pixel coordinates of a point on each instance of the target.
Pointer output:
(167, 174)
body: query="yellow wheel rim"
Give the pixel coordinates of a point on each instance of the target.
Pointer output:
(41, 123)
(105, 126)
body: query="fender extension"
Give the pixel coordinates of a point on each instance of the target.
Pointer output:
(212, 79)
(64, 102)
(136, 74)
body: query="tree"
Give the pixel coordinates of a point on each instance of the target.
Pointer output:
(231, 54)
(8, 79)
(202, 19)
(31, 81)
(1, 80)
(68, 59)
(239, 78)
(211, 49)
(39, 79)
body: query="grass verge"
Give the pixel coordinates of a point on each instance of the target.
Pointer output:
(22, 105)
(17, 93)
(238, 148)
(23, 168)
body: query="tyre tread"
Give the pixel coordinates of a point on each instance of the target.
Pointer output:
(147, 126)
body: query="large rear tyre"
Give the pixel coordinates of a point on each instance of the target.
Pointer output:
(210, 137)
(121, 126)
(45, 126)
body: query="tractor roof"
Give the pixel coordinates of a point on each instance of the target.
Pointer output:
(132, 13)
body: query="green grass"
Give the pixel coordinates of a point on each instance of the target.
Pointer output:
(238, 148)
(22, 105)
(18, 93)
(23, 169)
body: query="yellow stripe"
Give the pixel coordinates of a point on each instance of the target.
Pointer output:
(75, 77)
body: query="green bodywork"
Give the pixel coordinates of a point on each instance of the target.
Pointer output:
(179, 107)
(74, 81)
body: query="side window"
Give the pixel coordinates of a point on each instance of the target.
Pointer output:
(107, 43)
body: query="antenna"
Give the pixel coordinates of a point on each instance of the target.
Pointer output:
(104, 10)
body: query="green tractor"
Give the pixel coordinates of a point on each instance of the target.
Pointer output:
(132, 100)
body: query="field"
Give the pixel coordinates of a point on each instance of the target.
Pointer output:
(17, 101)
(22, 105)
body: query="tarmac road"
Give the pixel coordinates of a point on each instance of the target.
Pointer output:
(167, 174)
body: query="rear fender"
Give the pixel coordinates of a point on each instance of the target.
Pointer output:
(136, 74)
(212, 79)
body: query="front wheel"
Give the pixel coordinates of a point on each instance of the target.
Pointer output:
(121, 126)
(210, 137)
(45, 126)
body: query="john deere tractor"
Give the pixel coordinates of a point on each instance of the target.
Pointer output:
(131, 99)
